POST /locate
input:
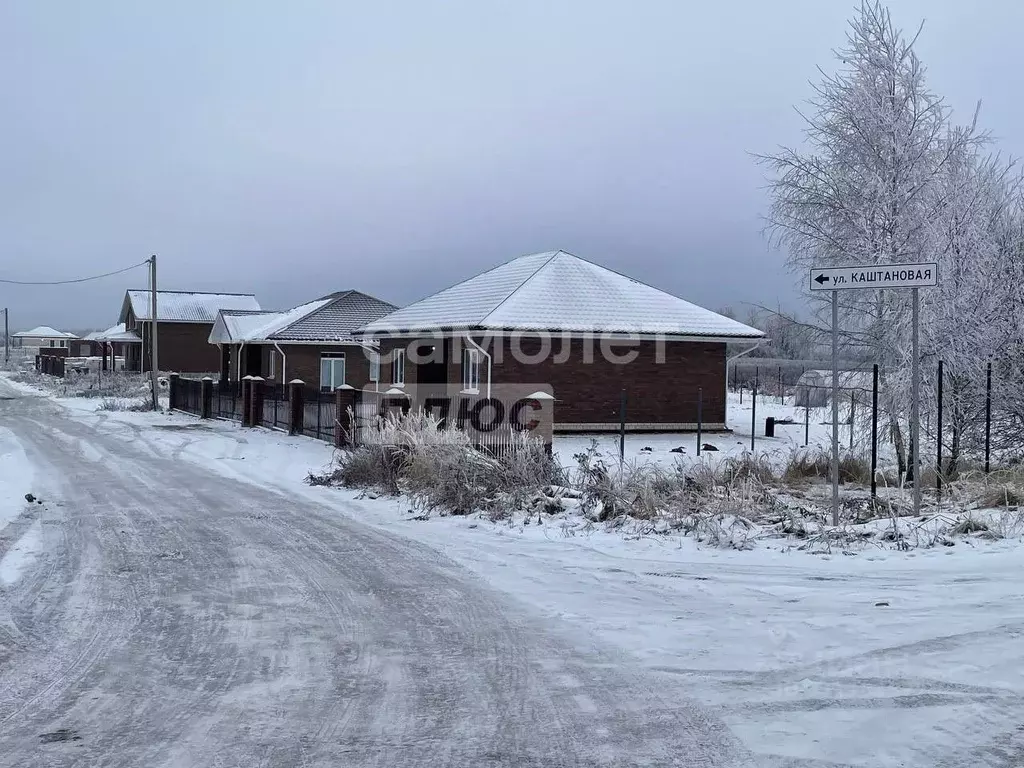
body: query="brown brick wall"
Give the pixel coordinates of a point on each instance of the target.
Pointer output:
(302, 361)
(657, 391)
(184, 347)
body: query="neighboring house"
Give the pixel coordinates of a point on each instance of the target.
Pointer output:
(113, 345)
(184, 322)
(312, 342)
(552, 322)
(44, 340)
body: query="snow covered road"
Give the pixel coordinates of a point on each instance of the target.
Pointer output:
(167, 615)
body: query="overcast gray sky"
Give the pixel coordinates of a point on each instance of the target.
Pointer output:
(291, 149)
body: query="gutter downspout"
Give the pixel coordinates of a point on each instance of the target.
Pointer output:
(376, 351)
(284, 364)
(480, 349)
(238, 363)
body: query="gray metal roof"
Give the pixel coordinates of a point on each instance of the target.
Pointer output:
(185, 306)
(345, 312)
(331, 318)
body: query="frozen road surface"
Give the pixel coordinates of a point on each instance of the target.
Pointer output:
(158, 614)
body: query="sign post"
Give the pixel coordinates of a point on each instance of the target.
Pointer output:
(875, 276)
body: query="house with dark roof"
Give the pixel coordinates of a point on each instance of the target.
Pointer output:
(184, 322)
(312, 342)
(556, 324)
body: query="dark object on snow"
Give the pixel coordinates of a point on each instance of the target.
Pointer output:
(680, 449)
(769, 427)
(708, 447)
(39, 501)
(29, 498)
(882, 604)
(647, 449)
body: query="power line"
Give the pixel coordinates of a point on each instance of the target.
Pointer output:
(76, 280)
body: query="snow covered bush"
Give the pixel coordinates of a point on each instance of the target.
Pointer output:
(439, 469)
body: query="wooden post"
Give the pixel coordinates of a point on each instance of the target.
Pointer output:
(296, 406)
(206, 403)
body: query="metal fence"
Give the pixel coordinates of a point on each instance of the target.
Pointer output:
(276, 407)
(227, 400)
(188, 396)
(320, 412)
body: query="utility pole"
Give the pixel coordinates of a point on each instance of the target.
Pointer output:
(7, 339)
(154, 360)
(835, 408)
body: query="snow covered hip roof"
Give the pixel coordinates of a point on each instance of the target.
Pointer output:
(557, 291)
(330, 319)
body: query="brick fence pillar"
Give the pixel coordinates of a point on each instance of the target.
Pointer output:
(206, 398)
(256, 394)
(247, 401)
(296, 407)
(345, 399)
(173, 390)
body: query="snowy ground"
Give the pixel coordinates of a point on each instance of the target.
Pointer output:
(789, 437)
(881, 658)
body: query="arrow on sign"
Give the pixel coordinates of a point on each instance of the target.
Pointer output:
(821, 279)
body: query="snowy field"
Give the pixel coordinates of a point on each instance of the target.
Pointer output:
(874, 658)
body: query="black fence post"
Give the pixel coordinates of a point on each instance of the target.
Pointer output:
(173, 393)
(874, 429)
(988, 416)
(295, 403)
(246, 401)
(807, 417)
(622, 427)
(700, 416)
(753, 413)
(938, 441)
(256, 398)
(206, 398)
(853, 404)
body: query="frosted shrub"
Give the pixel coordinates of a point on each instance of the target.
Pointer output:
(439, 468)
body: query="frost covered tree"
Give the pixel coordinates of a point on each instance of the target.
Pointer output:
(868, 187)
(974, 314)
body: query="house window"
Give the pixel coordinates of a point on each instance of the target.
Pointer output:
(374, 366)
(332, 371)
(398, 368)
(53, 343)
(471, 370)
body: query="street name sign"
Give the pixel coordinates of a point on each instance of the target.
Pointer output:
(875, 276)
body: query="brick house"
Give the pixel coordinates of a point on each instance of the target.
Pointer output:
(44, 340)
(553, 322)
(312, 342)
(113, 344)
(184, 322)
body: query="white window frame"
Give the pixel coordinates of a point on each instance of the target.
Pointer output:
(273, 362)
(374, 367)
(333, 356)
(471, 371)
(398, 368)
